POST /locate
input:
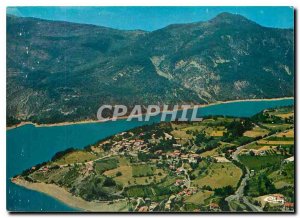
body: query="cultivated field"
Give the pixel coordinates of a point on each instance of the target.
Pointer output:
(220, 175)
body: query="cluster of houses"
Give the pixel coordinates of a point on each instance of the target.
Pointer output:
(136, 145)
(177, 154)
(280, 199)
(150, 208)
(126, 145)
(180, 182)
(133, 146)
(43, 169)
(187, 191)
(275, 198)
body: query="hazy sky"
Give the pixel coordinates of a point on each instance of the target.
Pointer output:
(152, 18)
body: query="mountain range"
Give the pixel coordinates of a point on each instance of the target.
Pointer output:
(60, 71)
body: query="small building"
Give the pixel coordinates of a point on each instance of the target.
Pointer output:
(214, 207)
(180, 170)
(179, 182)
(143, 209)
(290, 159)
(168, 136)
(230, 151)
(279, 198)
(288, 206)
(275, 198)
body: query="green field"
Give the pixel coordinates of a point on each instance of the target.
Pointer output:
(219, 175)
(255, 132)
(283, 177)
(260, 162)
(142, 170)
(199, 197)
(105, 164)
(275, 138)
(75, 157)
(277, 127)
(139, 191)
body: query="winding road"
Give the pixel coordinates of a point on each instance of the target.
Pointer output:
(239, 194)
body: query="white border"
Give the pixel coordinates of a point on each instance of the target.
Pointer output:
(6, 3)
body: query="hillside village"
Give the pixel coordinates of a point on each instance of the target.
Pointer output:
(219, 164)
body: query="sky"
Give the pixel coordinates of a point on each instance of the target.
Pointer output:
(153, 18)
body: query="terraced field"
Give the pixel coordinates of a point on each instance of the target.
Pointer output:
(180, 166)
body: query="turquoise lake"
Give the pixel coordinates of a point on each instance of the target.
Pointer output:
(29, 145)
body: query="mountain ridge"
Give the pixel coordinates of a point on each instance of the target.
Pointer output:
(220, 15)
(59, 71)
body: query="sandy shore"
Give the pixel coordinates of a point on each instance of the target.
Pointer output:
(72, 201)
(125, 117)
(52, 124)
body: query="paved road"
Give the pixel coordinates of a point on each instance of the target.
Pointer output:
(239, 194)
(187, 177)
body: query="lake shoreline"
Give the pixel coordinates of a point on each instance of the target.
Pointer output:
(67, 198)
(125, 117)
(50, 190)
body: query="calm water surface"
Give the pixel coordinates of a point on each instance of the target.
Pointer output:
(29, 145)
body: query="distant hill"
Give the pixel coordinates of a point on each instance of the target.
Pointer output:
(61, 71)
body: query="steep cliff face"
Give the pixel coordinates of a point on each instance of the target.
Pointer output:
(228, 57)
(60, 71)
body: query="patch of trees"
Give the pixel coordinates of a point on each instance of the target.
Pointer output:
(28, 179)
(108, 182)
(242, 167)
(68, 179)
(201, 138)
(207, 187)
(265, 117)
(223, 205)
(237, 128)
(227, 148)
(260, 185)
(60, 154)
(106, 147)
(164, 145)
(224, 191)
(288, 192)
(11, 121)
(145, 157)
(214, 143)
(30, 170)
(92, 188)
(243, 140)
(147, 191)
